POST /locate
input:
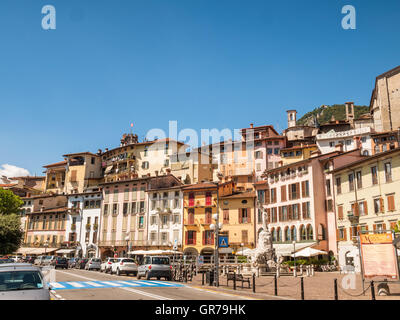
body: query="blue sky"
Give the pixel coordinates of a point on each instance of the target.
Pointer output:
(207, 64)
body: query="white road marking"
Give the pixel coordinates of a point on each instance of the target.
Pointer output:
(75, 284)
(145, 283)
(164, 283)
(94, 284)
(126, 289)
(56, 285)
(129, 283)
(111, 283)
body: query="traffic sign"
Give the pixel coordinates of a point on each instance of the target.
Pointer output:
(223, 242)
(200, 260)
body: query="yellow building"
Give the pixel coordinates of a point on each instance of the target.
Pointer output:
(200, 203)
(237, 215)
(366, 199)
(55, 177)
(297, 153)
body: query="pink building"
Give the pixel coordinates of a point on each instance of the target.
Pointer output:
(296, 202)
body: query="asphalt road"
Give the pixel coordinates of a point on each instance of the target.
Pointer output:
(184, 292)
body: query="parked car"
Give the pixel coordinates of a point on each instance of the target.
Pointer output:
(155, 266)
(29, 259)
(106, 265)
(48, 260)
(38, 261)
(72, 262)
(81, 263)
(60, 262)
(6, 260)
(93, 264)
(124, 266)
(22, 281)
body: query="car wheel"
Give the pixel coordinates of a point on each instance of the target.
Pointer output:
(158, 278)
(147, 276)
(138, 276)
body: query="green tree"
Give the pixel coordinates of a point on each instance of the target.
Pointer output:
(10, 222)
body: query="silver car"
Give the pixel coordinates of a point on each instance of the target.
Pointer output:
(22, 281)
(38, 261)
(155, 267)
(106, 265)
(124, 266)
(93, 264)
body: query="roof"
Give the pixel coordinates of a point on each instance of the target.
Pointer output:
(124, 181)
(80, 153)
(383, 133)
(241, 195)
(260, 182)
(29, 178)
(164, 182)
(8, 185)
(57, 164)
(300, 147)
(51, 210)
(203, 185)
(366, 159)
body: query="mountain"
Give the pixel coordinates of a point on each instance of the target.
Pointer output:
(324, 114)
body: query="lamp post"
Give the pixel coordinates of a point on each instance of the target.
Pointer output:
(242, 245)
(216, 234)
(46, 244)
(127, 243)
(87, 249)
(294, 257)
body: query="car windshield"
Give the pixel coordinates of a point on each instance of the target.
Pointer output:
(96, 260)
(157, 260)
(20, 280)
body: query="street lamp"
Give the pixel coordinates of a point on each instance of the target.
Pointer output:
(87, 249)
(46, 244)
(294, 257)
(127, 243)
(217, 228)
(242, 245)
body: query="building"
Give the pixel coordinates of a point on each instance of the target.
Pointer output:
(352, 139)
(297, 134)
(124, 218)
(165, 212)
(82, 228)
(384, 141)
(385, 101)
(55, 177)
(200, 204)
(297, 153)
(365, 200)
(45, 224)
(295, 202)
(237, 216)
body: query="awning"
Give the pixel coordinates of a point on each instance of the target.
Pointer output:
(108, 169)
(42, 250)
(226, 250)
(24, 250)
(308, 252)
(65, 250)
(286, 249)
(154, 252)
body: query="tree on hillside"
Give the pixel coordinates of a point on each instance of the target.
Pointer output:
(10, 222)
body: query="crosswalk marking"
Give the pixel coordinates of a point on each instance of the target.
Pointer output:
(164, 283)
(76, 284)
(129, 283)
(94, 284)
(114, 284)
(56, 285)
(146, 283)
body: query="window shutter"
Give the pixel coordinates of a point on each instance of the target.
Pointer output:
(382, 205)
(290, 192)
(268, 215)
(337, 235)
(393, 225)
(212, 239)
(239, 216)
(280, 214)
(340, 212)
(345, 234)
(391, 203)
(384, 226)
(248, 215)
(303, 189)
(365, 208)
(194, 237)
(374, 226)
(283, 193)
(204, 238)
(358, 231)
(356, 212)
(290, 212)
(298, 190)
(267, 197)
(186, 237)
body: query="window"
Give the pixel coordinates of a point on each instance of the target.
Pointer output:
(359, 179)
(166, 148)
(164, 220)
(328, 187)
(351, 182)
(339, 185)
(298, 153)
(141, 222)
(115, 208)
(258, 155)
(92, 160)
(363, 139)
(390, 202)
(273, 195)
(190, 216)
(141, 207)
(269, 151)
(145, 165)
(374, 175)
(348, 142)
(244, 216)
(125, 208)
(166, 162)
(208, 199)
(208, 237)
(176, 218)
(191, 199)
(190, 237)
(146, 149)
(276, 150)
(332, 144)
(388, 172)
(378, 205)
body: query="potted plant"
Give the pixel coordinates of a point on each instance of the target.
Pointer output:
(95, 227)
(88, 226)
(73, 226)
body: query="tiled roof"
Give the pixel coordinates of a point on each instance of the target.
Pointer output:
(57, 164)
(204, 185)
(51, 210)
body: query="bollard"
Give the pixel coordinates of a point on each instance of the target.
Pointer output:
(254, 283)
(278, 271)
(295, 272)
(202, 279)
(372, 290)
(186, 274)
(276, 285)
(302, 288)
(336, 290)
(312, 270)
(234, 280)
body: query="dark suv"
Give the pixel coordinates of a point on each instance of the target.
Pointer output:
(81, 263)
(60, 263)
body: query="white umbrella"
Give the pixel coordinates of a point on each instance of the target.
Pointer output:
(308, 252)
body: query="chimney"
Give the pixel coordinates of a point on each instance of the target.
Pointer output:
(156, 172)
(339, 147)
(349, 112)
(168, 171)
(99, 152)
(106, 150)
(251, 125)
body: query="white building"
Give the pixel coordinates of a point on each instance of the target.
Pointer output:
(349, 139)
(165, 212)
(82, 226)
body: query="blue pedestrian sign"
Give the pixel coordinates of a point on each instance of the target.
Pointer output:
(223, 242)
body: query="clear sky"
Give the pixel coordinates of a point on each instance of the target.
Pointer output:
(205, 63)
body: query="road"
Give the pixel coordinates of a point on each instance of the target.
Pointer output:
(73, 285)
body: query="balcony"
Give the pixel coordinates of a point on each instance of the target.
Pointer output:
(75, 210)
(190, 222)
(354, 219)
(122, 243)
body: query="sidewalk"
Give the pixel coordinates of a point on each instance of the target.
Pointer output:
(318, 287)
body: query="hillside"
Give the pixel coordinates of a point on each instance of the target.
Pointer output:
(325, 114)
